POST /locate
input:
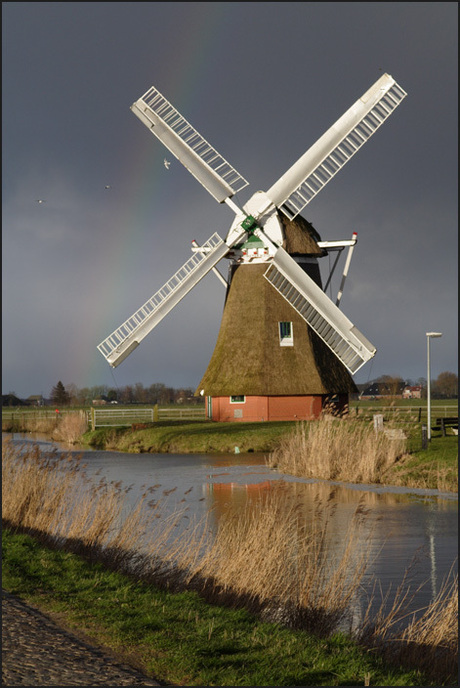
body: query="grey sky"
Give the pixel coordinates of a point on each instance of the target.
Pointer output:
(261, 82)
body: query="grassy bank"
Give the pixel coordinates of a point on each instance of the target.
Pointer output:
(351, 450)
(179, 639)
(432, 468)
(189, 437)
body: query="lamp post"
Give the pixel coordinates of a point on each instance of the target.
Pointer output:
(429, 335)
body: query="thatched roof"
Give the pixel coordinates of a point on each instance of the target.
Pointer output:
(300, 236)
(248, 358)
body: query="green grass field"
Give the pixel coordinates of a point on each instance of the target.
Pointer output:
(191, 437)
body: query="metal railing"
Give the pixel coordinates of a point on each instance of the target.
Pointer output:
(102, 416)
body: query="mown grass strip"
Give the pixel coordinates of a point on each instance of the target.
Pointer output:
(178, 638)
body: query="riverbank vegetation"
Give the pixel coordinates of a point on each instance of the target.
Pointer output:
(348, 449)
(351, 450)
(258, 604)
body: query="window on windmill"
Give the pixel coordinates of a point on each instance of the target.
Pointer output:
(286, 336)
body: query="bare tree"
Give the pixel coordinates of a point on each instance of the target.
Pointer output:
(446, 385)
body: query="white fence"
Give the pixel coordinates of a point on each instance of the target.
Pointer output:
(404, 413)
(109, 417)
(112, 417)
(106, 417)
(101, 417)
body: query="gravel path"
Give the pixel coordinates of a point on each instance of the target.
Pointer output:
(37, 652)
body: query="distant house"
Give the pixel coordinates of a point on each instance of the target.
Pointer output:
(412, 392)
(101, 401)
(35, 400)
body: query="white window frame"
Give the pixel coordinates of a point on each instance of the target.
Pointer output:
(286, 340)
(237, 402)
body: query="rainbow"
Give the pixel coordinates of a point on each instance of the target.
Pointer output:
(190, 66)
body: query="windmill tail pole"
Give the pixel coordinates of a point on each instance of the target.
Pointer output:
(346, 268)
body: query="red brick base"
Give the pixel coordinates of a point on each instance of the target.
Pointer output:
(260, 408)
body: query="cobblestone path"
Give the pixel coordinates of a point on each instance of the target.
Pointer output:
(37, 652)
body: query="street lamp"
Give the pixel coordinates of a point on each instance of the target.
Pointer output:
(429, 335)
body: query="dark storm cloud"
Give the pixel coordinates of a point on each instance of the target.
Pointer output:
(260, 81)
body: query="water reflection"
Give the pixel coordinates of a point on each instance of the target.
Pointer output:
(407, 526)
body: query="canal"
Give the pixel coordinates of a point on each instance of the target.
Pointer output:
(413, 530)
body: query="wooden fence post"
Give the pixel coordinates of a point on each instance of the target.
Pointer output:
(424, 437)
(378, 422)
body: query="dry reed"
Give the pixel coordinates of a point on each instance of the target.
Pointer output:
(337, 449)
(67, 427)
(426, 639)
(48, 494)
(287, 562)
(70, 427)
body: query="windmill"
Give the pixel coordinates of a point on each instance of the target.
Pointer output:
(284, 348)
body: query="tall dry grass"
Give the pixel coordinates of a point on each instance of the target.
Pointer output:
(65, 427)
(70, 427)
(337, 449)
(287, 562)
(49, 495)
(267, 554)
(427, 639)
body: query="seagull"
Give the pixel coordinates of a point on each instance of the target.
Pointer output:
(108, 186)
(167, 163)
(40, 200)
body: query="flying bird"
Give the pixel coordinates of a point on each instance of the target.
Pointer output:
(107, 186)
(40, 200)
(167, 163)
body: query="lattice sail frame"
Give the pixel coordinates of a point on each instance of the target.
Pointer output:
(118, 345)
(194, 152)
(305, 179)
(349, 344)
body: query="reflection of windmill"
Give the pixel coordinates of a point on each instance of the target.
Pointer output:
(284, 347)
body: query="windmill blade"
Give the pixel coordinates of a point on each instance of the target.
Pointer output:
(335, 329)
(117, 346)
(303, 181)
(190, 148)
